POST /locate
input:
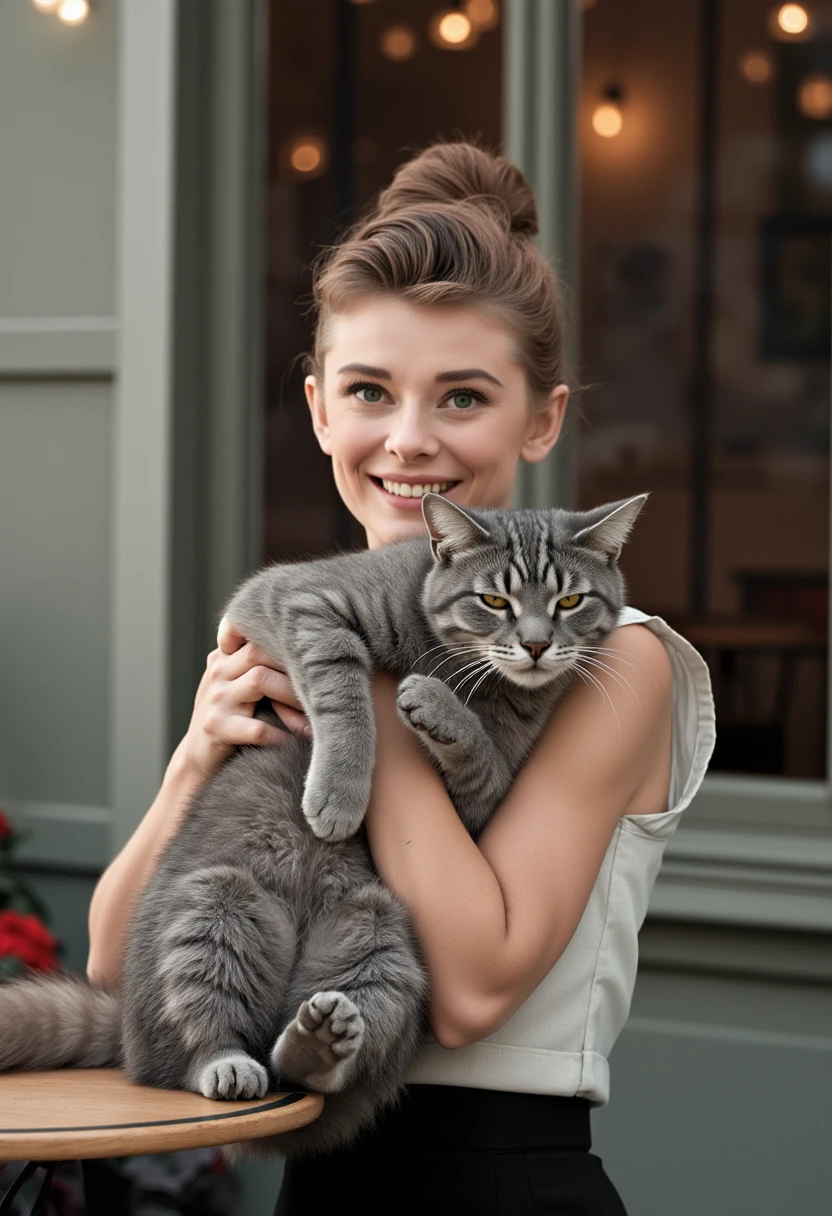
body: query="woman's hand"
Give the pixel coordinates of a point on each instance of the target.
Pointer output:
(236, 677)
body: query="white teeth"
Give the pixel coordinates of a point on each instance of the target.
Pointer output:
(407, 491)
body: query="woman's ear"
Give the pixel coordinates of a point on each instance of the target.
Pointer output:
(317, 408)
(545, 426)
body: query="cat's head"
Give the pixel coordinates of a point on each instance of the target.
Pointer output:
(528, 592)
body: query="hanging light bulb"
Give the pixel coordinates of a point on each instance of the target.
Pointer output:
(452, 30)
(73, 12)
(399, 42)
(814, 97)
(483, 14)
(756, 67)
(790, 22)
(307, 156)
(607, 119)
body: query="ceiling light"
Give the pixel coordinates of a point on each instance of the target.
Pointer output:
(790, 23)
(73, 12)
(399, 42)
(814, 97)
(792, 18)
(308, 155)
(757, 67)
(483, 14)
(452, 30)
(607, 119)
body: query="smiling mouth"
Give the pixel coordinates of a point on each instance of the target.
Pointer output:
(405, 490)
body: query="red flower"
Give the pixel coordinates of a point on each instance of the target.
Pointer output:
(25, 937)
(6, 828)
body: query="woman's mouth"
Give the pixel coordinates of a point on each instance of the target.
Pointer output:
(406, 495)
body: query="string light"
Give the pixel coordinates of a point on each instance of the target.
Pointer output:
(757, 67)
(483, 14)
(73, 12)
(46, 6)
(399, 42)
(792, 18)
(814, 96)
(607, 119)
(790, 23)
(452, 30)
(308, 155)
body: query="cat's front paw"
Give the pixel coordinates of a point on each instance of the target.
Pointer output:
(334, 802)
(429, 707)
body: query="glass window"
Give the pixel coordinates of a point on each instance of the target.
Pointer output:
(354, 89)
(706, 214)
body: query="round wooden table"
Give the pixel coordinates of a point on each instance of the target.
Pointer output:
(72, 1114)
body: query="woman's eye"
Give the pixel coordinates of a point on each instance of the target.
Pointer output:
(570, 601)
(372, 396)
(464, 401)
(494, 601)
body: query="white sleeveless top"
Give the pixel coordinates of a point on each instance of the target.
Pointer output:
(558, 1041)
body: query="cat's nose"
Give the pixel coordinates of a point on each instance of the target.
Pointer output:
(535, 649)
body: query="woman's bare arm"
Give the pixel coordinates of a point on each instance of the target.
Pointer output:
(236, 677)
(494, 917)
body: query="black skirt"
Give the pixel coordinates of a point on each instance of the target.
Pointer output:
(473, 1152)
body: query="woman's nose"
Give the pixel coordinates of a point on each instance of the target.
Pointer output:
(411, 435)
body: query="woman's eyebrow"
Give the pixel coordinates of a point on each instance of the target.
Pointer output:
(366, 370)
(465, 373)
(468, 373)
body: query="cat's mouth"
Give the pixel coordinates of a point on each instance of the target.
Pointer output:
(533, 674)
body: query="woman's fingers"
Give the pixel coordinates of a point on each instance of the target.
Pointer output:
(296, 722)
(229, 637)
(240, 731)
(262, 681)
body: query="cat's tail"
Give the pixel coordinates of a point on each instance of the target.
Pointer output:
(58, 1021)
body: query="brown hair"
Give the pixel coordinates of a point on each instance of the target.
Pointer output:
(453, 226)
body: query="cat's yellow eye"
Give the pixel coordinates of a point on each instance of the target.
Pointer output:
(494, 601)
(570, 601)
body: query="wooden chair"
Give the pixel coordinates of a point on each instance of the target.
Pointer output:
(83, 1114)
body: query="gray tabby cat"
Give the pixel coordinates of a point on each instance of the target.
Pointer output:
(264, 952)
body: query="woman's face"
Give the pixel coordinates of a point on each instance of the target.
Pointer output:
(415, 397)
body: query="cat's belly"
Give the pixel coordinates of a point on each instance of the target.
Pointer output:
(311, 875)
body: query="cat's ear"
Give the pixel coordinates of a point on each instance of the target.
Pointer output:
(451, 529)
(605, 529)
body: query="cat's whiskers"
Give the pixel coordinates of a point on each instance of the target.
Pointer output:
(594, 679)
(454, 674)
(622, 681)
(617, 655)
(455, 654)
(438, 646)
(472, 675)
(479, 681)
(429, 650)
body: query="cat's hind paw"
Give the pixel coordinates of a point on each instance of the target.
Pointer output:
(233, 1075)
(319, 1046)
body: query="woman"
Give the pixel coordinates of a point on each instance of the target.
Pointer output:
(437, 363)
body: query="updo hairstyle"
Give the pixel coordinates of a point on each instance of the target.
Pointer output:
(453, 227)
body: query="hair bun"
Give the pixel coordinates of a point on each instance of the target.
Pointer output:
(457, 172)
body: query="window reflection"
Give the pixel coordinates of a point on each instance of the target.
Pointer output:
(354, 89)
(705, 344)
